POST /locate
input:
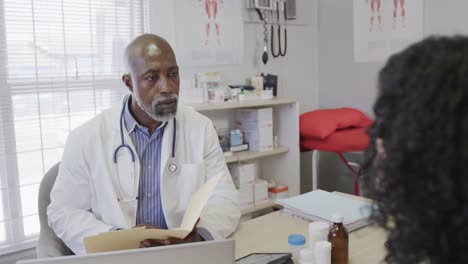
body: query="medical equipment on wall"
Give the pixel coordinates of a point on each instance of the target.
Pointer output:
(290, 10)
(280, 52)
(263, 17)
(172, 167)
(264, 4)
(266, 9)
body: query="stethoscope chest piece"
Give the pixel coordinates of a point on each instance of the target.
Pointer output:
(172, 168)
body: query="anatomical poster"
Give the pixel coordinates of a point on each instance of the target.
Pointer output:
(384, 27)
(209, 32)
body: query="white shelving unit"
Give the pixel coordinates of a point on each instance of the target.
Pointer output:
(280, 164)
(251, 155)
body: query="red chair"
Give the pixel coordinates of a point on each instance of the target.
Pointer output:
(335, 130)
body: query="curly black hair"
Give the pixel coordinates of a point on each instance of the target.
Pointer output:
(420, 182)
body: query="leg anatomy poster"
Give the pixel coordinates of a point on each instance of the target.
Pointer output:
(384, 27)
(209, 32)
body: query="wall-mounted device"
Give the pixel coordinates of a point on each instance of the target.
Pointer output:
(290, 10)
(289, 6)
(262, 4)
(265, 4)
(275, 13)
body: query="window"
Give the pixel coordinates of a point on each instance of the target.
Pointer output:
(60, 65)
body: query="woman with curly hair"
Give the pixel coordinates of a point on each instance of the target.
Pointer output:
(418, 173)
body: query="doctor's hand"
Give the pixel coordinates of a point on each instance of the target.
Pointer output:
(190, 238)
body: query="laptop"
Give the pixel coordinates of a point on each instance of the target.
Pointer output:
(219, 252)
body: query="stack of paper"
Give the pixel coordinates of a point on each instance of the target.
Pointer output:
(257, 126)
(320, 205)
(131, 238)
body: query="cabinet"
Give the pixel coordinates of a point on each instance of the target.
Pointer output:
(281, 163)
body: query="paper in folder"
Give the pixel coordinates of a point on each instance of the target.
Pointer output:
(131, 238)
(320, 205)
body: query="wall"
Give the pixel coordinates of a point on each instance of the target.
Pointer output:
(343, 82)
(297, 71)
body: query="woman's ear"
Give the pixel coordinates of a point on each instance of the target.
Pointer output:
(127, 80)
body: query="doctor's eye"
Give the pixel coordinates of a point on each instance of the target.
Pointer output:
(174, 74)
(152, 77)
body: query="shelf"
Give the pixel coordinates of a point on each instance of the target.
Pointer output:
(257, 207)
(249, 155)
(243, 104)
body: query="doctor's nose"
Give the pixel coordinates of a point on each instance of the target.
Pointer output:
(164, 86)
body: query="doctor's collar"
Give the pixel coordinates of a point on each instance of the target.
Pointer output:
(130, 123)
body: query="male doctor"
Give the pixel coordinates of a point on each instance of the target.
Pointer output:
(175, 150)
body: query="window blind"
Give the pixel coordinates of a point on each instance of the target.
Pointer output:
(60, 65)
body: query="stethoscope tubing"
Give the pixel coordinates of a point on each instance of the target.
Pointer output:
(172, 167)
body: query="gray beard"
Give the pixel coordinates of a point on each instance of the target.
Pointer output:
(159, 116)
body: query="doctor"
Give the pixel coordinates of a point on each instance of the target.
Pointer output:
(140, 162)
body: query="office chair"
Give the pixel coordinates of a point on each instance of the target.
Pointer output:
(48, 244)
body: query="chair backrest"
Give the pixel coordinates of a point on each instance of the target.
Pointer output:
(48, 244)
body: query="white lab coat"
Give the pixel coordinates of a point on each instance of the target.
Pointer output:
(84, 199)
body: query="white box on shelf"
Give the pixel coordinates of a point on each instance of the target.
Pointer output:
(255, 113)
(257, 126)
(260, 191)
(244, 174)
(246, 194)
(259, 142)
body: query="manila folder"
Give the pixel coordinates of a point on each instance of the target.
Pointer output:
(131, 238)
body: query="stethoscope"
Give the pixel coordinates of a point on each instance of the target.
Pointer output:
(172, 167)
(280, 52)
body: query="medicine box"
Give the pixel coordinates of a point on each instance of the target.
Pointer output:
(278, 192)
(260, 191)
(246, 194)
(244, 174)
(257, 126)
(236, 137)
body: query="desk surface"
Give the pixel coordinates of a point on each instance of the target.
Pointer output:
(269, 233)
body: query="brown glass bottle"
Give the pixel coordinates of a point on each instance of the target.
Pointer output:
(338, 237)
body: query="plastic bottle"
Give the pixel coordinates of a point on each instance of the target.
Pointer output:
(318, 231)
(338, 237)
(296, 243)
(306, 256)
(322, 252)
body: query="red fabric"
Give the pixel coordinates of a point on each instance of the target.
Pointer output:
(320, 124)
(346, 140)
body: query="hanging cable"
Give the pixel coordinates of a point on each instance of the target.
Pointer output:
(265, 38)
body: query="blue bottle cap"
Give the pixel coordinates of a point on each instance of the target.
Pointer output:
(296, 240)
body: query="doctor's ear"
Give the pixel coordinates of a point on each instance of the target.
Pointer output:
(127, 81)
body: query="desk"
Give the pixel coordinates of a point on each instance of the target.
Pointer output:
(269, 233)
